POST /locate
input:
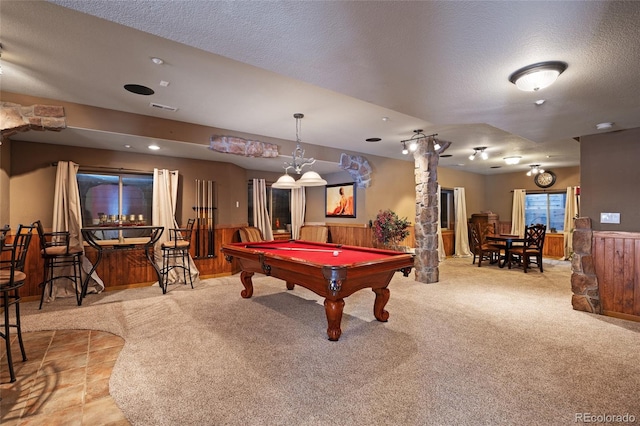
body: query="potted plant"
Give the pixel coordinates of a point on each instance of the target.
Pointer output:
(389, 230)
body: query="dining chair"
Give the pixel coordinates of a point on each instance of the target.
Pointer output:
(175, 254)
(61, 261)
(12, 277)
(479, 247)
(531, 251)
(316, 233)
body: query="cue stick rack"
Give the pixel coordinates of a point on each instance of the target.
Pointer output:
(205, 219)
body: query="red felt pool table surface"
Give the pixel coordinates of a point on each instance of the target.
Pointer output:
(314, 266)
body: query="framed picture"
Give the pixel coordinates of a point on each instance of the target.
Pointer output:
(340, 200)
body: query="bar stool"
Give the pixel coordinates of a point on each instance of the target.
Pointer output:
(57, 254)
(12, 277)
(175, 254)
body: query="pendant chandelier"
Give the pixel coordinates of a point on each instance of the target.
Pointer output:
(309, 178)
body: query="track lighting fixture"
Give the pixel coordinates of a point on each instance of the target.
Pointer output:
(413, 141)
(479, 150)
(534, 169)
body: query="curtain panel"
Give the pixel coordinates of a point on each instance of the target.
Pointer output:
(517, 212)
(461, 231)
(261, 218)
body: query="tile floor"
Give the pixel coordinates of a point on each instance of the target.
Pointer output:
(65, 380)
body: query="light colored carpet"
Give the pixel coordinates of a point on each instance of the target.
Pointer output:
(482, 346)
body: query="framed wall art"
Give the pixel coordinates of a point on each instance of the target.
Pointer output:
(340, 200)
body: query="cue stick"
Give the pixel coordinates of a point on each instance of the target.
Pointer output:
(292, 249)
(210, 221)
(198, 218)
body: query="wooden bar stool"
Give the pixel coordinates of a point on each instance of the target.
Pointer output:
(175, 254)
(59, 257)
(12, 277)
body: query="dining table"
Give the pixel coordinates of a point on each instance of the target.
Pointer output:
(506, 240)
(121, 237)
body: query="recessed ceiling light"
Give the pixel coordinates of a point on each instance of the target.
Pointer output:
(154, 147)
(539, 101)
(127, 146)
(373, 140)
(385, 118)
(157, 61)
(604, 126)
(164, 83)
(514, 159)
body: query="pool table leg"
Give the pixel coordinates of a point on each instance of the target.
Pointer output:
(290, 285)
(382, 297)
(245, 277)
(333, 309)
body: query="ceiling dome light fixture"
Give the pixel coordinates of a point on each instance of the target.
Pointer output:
(514, 159)
(413, 141)
(309, 178)
(537, 76)
(604, 126)
(479, 150)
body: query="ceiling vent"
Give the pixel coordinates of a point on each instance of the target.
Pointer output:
(165, 107)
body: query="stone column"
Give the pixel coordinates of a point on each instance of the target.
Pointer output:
(427, 209)
(584, 282)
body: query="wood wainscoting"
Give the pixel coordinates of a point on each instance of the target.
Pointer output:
(121, 269)
(616, 256)
(362, 235)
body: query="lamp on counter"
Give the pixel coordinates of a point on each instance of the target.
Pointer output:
(298, 161)
(534, 169)
(537, 76)
(479, 150)
(413, 141)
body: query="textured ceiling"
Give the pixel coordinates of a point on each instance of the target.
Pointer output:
(248, 66)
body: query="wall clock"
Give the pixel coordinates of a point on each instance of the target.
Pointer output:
(545, 179)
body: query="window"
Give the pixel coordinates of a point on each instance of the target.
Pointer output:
(115, 195)
(279, 206)
(547, 208)
(447, 210)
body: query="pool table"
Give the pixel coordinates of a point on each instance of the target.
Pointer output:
(329, 270)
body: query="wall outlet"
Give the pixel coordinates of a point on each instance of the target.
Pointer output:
(610, 218)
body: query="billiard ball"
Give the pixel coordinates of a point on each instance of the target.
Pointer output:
(335, 252)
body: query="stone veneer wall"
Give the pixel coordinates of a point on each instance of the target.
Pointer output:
(584, 282)
(426, 260)
(16, 118)
(244, 147)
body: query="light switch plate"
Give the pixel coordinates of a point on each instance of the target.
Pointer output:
(610, 218)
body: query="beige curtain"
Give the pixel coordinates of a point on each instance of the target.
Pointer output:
(261, 218)
(298, 206)
(441, 253)
(67, 217)
(165, 195)
(517, 212)
(461, 234)
(570, 213)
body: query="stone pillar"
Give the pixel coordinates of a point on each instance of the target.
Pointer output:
(427, 209)
(584, 282)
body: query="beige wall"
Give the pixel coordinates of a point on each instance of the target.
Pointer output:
(610, 178)
(5, 171)
(33, 179)
(499, 195)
